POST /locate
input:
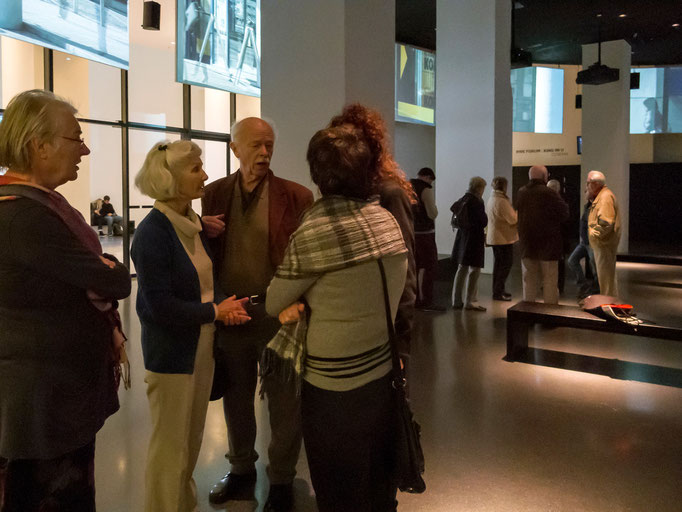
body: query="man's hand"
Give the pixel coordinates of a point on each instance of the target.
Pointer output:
(214, 225)
(231, 311)
(291, 314)
(107, 262)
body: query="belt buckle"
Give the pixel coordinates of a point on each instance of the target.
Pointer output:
(255, 299)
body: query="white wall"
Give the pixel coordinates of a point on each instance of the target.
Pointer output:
(21, 69)
(302, 75)
(473, 106)
(415, 147)
(370, 56)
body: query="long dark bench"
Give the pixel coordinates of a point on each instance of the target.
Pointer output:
(522, 316)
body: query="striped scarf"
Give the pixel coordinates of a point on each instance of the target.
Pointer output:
(335, 233)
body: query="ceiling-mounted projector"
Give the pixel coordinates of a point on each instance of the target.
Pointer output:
(598, 74)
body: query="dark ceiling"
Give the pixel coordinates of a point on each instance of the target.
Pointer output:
(554, 30)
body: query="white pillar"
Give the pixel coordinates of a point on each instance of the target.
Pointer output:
(473, 101)
(318, 56)
(606, 126)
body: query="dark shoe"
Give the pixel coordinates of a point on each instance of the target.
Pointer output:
(506, 298)
(280, 499)
(506, 295)
(433, 308)
(457, 306)
(233, 487)
(474, 307)
(101, 233)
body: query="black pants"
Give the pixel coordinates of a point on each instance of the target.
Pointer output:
(63, 484)
(240, 348)
(504, 257)
(349, 439)
(426, 261)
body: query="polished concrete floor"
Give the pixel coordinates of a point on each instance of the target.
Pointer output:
(565, 432)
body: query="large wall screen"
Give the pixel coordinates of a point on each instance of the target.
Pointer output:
(218, 44)
(656, 106)
(415, 85)
(93, 29)
(538, 99)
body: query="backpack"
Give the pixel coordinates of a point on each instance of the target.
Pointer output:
(460, 217)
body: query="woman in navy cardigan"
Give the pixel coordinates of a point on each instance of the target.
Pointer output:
(177, 305)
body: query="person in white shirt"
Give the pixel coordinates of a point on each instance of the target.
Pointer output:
(502, 234)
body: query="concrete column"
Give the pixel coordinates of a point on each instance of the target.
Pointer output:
(474, 104)
(318, 56)
(606, 126)
(370, 62)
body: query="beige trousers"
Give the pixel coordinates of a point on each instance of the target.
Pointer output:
(536, 271)
(605, 261)
(178, 404)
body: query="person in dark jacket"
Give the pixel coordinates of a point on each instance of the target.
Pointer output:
(584, 251)
(469, 249)
(541, 214)
(60, 336)
(177, 303)
(426, 252)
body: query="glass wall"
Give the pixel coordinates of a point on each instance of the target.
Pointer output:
(156, 111)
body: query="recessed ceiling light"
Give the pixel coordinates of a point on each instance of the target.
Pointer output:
(676, 25)
(68, 58)
(172, 42)
(622, 15)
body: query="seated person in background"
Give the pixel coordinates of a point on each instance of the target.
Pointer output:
(107, 214)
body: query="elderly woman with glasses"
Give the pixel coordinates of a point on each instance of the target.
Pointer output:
(178, 303)
(60, 335)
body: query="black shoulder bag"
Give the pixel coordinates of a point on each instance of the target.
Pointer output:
(408, 463)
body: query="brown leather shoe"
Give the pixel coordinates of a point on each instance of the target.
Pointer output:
(233, 487)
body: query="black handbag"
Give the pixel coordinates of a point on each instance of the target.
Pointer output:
(408, 463)
(219, 374)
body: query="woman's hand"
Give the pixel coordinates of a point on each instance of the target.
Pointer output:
(231, 311)
(291, 314)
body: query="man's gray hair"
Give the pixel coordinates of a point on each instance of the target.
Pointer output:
(29, 115)
(236, 128)
(596, 177)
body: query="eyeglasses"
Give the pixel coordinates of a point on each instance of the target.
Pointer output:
(81, 141)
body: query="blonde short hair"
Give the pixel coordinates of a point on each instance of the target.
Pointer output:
(157, 177)
(477, 183)
(499, 183)
(29, 115)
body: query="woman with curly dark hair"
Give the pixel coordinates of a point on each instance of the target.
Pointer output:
(330, 295)
(395, 194)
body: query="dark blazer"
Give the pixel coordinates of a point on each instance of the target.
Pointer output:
(286, 202)
(541, 213)
(168, 296)
(56, 381)
(469, 248)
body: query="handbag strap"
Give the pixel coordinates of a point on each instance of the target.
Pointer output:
(398, 375)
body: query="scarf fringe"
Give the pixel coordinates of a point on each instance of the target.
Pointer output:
(273, 366)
